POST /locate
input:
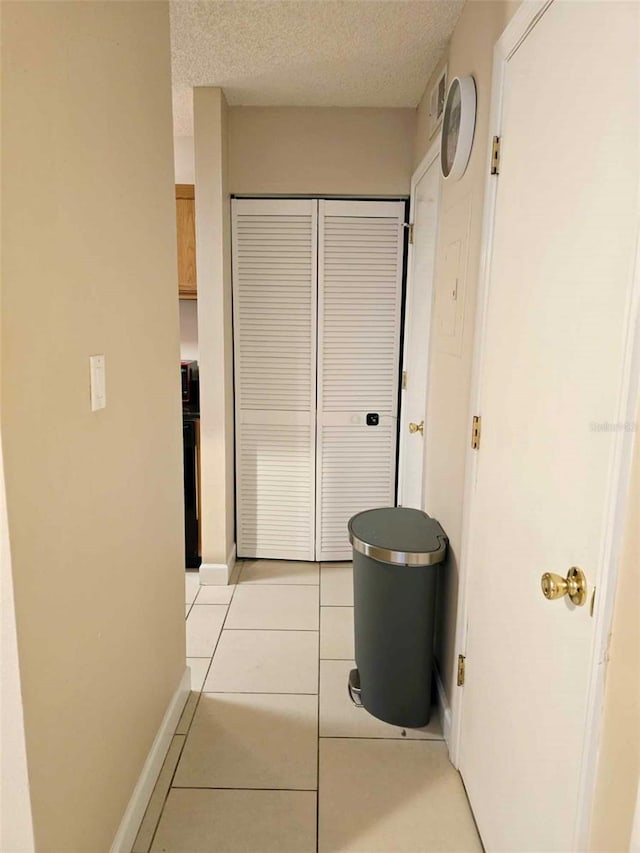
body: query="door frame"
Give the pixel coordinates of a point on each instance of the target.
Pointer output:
(523, 21)
(432, 155)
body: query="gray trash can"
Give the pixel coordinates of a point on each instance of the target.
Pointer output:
(395, 556)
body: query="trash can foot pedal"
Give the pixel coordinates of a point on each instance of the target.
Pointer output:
(353, 686)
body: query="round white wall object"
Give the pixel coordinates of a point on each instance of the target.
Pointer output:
(458, 126)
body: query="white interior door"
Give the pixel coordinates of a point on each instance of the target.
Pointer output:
(359, 306)
(424, 216)
(553, 358)
(274, 296)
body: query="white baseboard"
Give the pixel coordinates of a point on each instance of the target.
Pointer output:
(218, 573)
(132, 818)
(444, 709)
(214, 574)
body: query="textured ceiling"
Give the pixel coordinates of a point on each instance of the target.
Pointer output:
(347, 53)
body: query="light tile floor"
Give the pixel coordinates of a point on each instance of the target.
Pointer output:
(270, 756)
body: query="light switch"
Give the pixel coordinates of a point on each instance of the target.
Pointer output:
(98, 383)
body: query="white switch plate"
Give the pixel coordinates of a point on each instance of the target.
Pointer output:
(98, 382)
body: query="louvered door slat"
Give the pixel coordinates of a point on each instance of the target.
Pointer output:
(371, 321)
(359, 308)
(275, 297)
(275, 501)
(363, 478)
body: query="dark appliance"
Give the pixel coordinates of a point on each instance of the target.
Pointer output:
(191, 521)
(191, 456)
(190, 384)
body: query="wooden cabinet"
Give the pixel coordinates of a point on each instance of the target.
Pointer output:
(186, 225)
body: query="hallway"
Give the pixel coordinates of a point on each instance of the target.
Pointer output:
(270, 754)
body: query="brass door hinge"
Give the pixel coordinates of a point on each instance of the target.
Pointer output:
(495, 156)
(461, 660)
(476, 427)
(404, 380)
(409, 227)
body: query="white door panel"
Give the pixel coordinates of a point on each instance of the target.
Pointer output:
(275, 489)
(275, 283)
(356, 471)
(552, 361)
(360, 257)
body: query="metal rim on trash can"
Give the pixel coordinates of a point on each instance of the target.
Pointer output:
(398, 558)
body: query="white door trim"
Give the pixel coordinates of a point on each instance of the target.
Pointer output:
(517, 30)
(427, 161)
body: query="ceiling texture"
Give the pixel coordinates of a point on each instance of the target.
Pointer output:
(321, 53)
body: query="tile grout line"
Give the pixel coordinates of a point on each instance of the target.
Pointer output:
(256, 693)
(184, 742)
(253, 584)
(153, 834)
(215, 648)
(398, 738)
(219, 788)
(429, 740)
(186, 734)
(202, 690)
(235, 788)
(339, 660)
(276, 630)
(422, 740)
(169, 786)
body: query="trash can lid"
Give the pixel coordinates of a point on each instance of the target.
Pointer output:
(398, 535)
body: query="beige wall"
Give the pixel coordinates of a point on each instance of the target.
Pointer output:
(213, 247)
(449, 385)
(184, 160)
(619, 762)
(94, 499)
(332, 151)
(306, 150)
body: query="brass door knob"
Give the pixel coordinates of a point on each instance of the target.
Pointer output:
(417, 427)
(574, 585)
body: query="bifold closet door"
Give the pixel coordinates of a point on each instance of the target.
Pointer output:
(274, 306)
(359, 313)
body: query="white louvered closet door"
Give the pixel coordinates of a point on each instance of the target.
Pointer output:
(359, 313)
(275, 299)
